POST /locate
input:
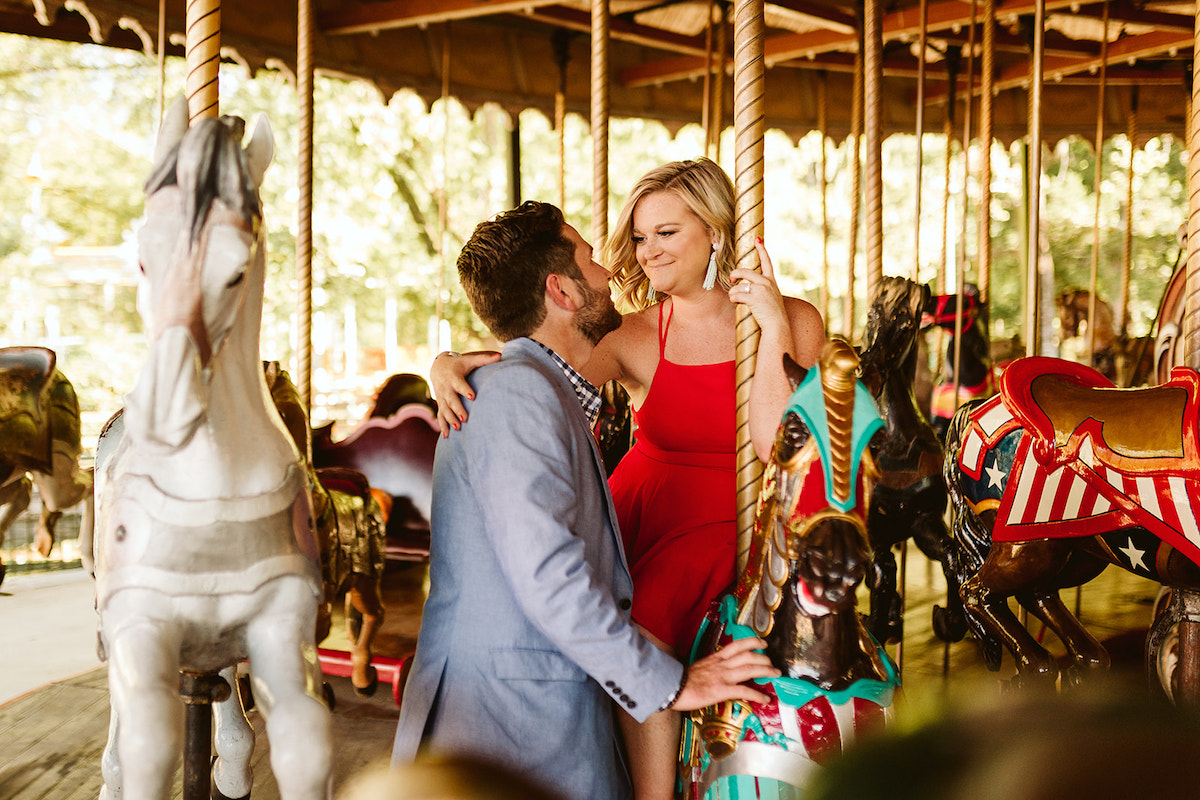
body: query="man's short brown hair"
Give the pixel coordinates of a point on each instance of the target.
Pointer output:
(504, 265)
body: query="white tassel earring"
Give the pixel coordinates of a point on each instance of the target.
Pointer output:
(710, 277)
(651, 295)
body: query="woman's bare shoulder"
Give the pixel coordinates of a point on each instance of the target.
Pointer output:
(808, 329)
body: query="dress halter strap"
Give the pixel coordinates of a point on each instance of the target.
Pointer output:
(662, 330)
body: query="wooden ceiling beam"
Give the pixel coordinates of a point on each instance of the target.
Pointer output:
(620, 30)
(390, 14)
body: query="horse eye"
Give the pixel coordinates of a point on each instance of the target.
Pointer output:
(235, 280)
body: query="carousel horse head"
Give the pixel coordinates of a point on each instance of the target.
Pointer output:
(808, 556)
(202, 259)
(894, 320)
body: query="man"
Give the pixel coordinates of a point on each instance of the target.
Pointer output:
(526, 628)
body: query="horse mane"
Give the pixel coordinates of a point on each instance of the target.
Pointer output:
(760, 590)
(207, 165)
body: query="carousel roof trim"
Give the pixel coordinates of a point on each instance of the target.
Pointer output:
(520, 54)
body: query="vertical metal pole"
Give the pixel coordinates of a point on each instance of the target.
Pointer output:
(1127, 252)
(162, 59)
(922, 40)
(986, 129)
(822, 123)
(718, 102)
(600, 32)
(306, 27)
(749, 85)
(1033, 337)
(852, 150)
(443, 195)
(872, 92)
(1092, 280)
(706, 115)
(561, 56)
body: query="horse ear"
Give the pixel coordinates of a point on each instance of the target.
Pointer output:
(795, 373)
(261, 148)
(174, 126)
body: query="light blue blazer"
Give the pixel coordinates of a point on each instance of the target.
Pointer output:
(526, 633)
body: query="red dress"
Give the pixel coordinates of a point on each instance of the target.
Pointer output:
(674, 493)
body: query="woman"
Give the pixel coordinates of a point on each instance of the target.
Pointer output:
(671, 259)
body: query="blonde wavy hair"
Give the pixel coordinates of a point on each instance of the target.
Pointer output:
(706, 190)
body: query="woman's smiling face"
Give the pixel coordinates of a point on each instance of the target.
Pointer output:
(670, 242)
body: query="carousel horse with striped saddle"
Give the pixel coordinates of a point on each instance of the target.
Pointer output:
(909, 498)
(1058, 476)
(40, 445)
(808, 556)
(351, 527)
(205, 550)
(974, 356)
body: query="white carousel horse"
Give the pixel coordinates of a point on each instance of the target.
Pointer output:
(205, 552)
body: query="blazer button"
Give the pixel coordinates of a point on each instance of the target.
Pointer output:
(609, 684)
(632, 704)
(624, 604)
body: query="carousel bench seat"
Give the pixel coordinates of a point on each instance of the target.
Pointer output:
(395, 453)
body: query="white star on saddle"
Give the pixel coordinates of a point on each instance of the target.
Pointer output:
(1134, 555)
(995, 474)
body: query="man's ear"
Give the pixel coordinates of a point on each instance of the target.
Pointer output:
(562, 292)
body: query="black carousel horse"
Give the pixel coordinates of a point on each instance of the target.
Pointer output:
(909, 499)
(809, 554)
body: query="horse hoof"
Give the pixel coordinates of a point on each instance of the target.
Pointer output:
(948, 626)
(992, 651)
(3, 570)
(217, 794)
(369, 689)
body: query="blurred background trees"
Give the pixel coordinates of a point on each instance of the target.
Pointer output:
(399, 186)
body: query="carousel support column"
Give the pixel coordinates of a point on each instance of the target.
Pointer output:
(1189, 629)
(444, 192)
(706, 111)
(922, 43)
(1095, 269)
(162, 59)
(872, 82)
(1033, 336)
(960, 252)
(718, 101)
(1127, 250)
(199, 691)
(203, 58)
(599, 109)
(986, 133)
(560, 42)
(852, 151)
(748, 90)
(305, 32)
(822, 125)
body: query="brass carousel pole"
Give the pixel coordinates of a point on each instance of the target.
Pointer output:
(1095, 270)
(1033, 275)
(599, 111)
(443, 195)
(306, 28)
(852, 148)
(718, 100)
(1127, 251)
(1189, 626)
(822, 125)
(986, 132)
(561, 56)
(748, 90)
(162, 59)
(706, 114)
(872, 82)
(203, 58)
(922, 40)
(199, 690)
(960, 257)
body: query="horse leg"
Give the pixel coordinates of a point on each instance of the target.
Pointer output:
(930, 534)
(885, 620)
(363, 597)
(14, 498)
(110, 764)
(143, 685)
(286, 679)
(1085, 649)
(233, 739)
(60, 490)
(1010, 568)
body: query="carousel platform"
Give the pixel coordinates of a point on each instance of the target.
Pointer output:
(51, 737)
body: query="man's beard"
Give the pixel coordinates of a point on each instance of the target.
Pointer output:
(598, 317)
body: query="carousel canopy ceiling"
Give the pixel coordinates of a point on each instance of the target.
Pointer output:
(515, 54)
